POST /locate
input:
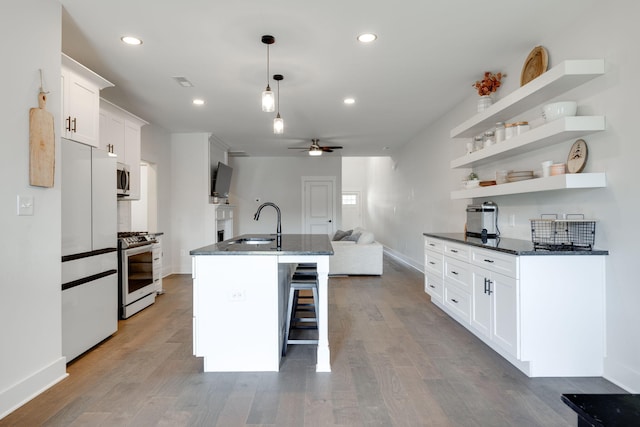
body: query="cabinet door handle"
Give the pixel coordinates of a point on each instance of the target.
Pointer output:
(432, 263)
(454, 251)
(68, 123)
(432, 287)
(485, 285)
(432, 244)
(489, 291)
(74, 125)
(454, 300)
(489, 261)
(454, 272)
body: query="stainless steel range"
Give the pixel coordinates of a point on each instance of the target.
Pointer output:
(135, 275)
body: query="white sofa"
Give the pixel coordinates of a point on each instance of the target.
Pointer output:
(361, 256)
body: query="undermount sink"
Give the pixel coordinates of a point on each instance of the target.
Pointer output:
(253, 240)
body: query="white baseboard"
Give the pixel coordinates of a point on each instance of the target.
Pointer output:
(621, 375)
(404, 259)
(19, 394)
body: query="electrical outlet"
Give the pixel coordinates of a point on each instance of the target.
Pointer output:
(237, 295)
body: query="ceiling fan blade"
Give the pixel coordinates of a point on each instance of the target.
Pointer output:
(326, 149)
(333, 147)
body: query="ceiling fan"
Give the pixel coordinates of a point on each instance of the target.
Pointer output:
(315, 149)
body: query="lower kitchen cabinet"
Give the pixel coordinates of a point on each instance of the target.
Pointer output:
(157, 265)
(494, 308)
(541, 311)
(433, 268)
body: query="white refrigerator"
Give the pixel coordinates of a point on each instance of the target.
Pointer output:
(89, 247)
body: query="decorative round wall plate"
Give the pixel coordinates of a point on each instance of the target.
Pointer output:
(535, 64)
(577, 158)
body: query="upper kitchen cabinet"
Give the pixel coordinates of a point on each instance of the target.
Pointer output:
(81, 102)
(120, 134)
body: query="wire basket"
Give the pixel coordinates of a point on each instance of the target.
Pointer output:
(563, 234)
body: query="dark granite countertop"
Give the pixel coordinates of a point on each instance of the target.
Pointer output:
(610, 410)
(292, 244)
(509, 246)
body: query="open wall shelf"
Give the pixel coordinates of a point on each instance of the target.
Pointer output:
(563, 77)
(558, 182)
(548, 134)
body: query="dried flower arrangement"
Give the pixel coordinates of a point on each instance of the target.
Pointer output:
(489, 84)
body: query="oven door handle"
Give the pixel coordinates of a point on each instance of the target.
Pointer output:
(138, 250)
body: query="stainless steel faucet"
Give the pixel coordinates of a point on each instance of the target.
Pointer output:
(256, 216)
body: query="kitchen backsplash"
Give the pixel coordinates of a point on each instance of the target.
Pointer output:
(124, 215)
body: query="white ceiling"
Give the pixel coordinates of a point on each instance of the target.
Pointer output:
(427, 55)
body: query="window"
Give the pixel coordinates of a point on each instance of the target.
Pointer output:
(350, 199)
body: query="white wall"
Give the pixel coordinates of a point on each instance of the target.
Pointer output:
(192, 218)
(410, 194)
(30, 257)
(156, 149)
(277, 180)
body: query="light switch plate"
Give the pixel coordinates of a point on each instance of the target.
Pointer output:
(25, 205)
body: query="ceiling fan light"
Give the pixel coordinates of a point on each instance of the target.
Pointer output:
(315, 152)
(268, 101)
(278, 125)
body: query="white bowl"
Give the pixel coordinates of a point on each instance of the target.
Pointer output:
(556, 110)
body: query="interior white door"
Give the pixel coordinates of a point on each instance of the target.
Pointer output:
(319, 209)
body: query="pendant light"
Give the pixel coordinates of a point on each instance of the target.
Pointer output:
(268, 104)
(278, 123)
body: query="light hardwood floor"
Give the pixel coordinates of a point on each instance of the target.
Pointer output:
(397, 360)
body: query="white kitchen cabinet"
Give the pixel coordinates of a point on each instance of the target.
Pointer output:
(120, 134)
(565, 76)
(111, 133)
(157, 265)
(132, 156)
(494, 308)
(542, 312)
(81, 102)
(433, 268)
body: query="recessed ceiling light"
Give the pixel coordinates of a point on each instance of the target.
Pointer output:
(349, 101)
(134, 41)
(198, 101)
(367, 37)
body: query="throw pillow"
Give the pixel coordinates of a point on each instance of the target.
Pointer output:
(366, 237)
(341, 234)
(353, 237)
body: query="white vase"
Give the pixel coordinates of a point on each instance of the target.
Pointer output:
(484, 102)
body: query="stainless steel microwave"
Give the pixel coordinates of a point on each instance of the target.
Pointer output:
(123, 179)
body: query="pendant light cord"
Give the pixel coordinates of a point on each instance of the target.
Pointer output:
(268, 88)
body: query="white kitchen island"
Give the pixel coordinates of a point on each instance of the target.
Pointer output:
(240, 293)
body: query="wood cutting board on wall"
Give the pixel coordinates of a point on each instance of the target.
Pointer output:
(41, 145)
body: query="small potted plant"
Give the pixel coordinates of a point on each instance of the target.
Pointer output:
(485, 87)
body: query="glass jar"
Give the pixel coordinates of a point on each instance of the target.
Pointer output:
(522, 127)
(509, 130)
(489, 139)
(478, 143)
(500, 132)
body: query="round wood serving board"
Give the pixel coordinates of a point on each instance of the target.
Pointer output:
(535, 64)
